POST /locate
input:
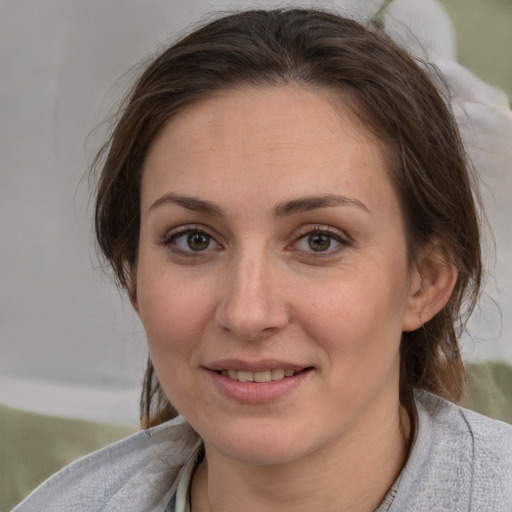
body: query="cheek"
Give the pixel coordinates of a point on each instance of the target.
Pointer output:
(173, 311)
(359, 331)
(174, 315)
(358, 321)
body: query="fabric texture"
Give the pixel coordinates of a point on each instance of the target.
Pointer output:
(461, 462)
(137, 474)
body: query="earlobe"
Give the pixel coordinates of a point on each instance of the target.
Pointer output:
(431, 287)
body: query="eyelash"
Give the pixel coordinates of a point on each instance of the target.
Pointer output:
(307, 231)
(170, 241)
(327, 231)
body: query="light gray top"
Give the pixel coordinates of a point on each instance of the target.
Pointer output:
(461, 461)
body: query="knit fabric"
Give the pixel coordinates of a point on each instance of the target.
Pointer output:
(461, 462)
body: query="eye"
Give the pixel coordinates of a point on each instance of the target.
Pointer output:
(320, 241)
(194, 241)
(190, 240)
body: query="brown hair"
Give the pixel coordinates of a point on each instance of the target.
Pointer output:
(387, 90)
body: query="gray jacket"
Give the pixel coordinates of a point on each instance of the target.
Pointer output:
(461, 461)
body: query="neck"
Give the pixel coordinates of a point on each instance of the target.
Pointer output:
(352, 473)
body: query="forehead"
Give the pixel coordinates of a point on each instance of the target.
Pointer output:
(281, 141)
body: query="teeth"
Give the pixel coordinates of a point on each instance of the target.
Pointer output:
(265, 376)
(246, 376)
(277, 374)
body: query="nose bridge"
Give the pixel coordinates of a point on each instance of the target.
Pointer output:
(251, 304)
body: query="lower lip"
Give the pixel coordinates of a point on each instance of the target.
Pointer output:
(257, 392)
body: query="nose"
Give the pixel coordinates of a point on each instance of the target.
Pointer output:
(252, 305)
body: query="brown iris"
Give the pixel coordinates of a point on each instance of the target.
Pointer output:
(319, 242)
(198, 241)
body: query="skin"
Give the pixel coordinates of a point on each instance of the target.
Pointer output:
(259, 289)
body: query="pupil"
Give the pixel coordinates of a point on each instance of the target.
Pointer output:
(319, 242)
(198, 241)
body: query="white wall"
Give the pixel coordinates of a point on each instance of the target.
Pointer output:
(68, 344)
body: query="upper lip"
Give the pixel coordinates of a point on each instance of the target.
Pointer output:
(254, 366)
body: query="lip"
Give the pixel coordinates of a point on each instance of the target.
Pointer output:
(255, 366)
(258, 393)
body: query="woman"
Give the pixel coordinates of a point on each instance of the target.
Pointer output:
(287, 202)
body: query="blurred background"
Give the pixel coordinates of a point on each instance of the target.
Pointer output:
(70, 345)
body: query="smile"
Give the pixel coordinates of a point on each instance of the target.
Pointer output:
(263, 376)
(260, 386)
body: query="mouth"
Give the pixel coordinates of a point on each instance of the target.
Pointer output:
(262, 376)
(258, 382)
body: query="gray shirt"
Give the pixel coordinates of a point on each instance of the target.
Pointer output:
(461, 461)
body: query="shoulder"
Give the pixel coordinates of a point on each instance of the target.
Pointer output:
(484, 447)
(461, 461)
(490, 440)
(136, 473)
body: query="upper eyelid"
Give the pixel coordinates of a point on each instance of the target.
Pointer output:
(188, 228)
(321, 228)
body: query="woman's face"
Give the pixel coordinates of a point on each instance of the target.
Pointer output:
(272, 278)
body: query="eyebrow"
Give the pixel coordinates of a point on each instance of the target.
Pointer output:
(283, 209)
(307, 204)
(190, 203)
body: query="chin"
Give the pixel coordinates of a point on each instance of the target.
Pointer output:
(265, 454)
(261, 444)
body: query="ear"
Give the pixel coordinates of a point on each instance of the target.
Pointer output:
(432, 281)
